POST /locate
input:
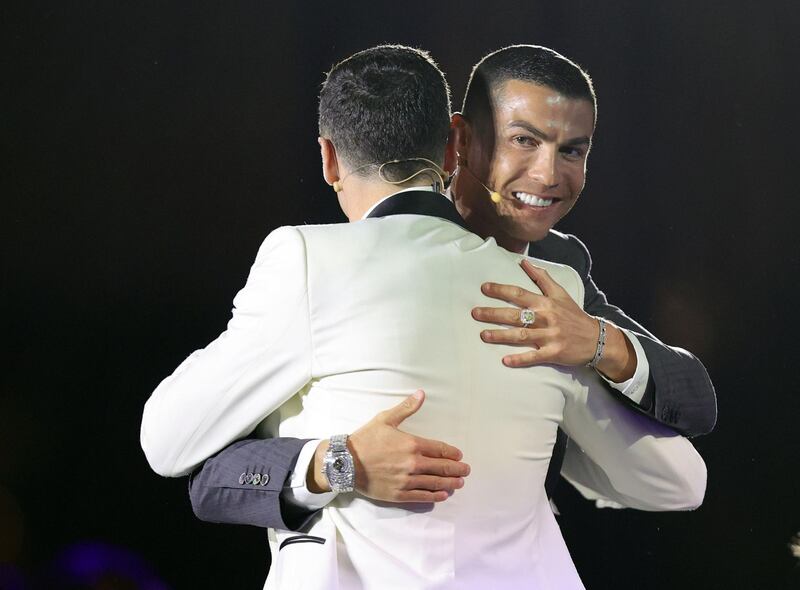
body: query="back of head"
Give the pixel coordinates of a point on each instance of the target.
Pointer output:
(528, 63)
(386, 103)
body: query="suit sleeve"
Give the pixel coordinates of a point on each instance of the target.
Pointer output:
(626, 457)
(219, 394)
(679, 392)
(220, 490)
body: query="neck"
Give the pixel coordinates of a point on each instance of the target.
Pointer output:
(363, 194)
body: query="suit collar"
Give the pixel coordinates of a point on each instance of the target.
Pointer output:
(418, 202)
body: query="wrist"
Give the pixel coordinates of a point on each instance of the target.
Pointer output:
(619, 357)
(316, 482)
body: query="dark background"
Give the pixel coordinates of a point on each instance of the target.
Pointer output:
(148, 148)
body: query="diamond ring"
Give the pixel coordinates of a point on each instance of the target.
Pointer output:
(526, 317)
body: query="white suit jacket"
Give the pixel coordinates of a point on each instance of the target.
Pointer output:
(339, 322)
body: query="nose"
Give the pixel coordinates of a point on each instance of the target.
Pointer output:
(544, 167)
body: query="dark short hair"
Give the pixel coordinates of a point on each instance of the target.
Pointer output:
(529, 63)
(386, 103)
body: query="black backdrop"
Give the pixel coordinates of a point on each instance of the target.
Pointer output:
(149, 147)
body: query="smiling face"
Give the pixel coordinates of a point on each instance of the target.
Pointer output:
(532, 151)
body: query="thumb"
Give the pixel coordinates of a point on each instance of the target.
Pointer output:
(408, 407)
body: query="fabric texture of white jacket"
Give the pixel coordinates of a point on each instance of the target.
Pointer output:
(339, 322)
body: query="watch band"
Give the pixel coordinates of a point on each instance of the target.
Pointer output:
(338, 443)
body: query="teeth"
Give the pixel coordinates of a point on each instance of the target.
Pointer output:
(533, 200)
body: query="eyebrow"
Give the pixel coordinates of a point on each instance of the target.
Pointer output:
(542, 135)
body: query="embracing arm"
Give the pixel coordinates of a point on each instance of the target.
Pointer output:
(220, 393)
(627, 457)
(225, 489)
(391, 466)
(664, 382)
(679, 392)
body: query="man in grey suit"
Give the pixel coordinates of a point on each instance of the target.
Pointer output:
(521, 167)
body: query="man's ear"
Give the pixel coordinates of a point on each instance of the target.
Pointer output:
(460, 135)
(330, 163)
(450, 159)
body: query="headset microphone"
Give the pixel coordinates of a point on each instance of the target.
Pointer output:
(493, 195)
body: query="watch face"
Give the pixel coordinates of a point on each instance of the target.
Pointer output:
(339, 469)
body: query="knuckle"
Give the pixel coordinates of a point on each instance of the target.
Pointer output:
(407, 466)
(522, 335)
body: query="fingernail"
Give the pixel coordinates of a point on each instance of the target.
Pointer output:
(485, 335)
(417, 394)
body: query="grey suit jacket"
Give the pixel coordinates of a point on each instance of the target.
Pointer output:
(679, 391)
(679, 394)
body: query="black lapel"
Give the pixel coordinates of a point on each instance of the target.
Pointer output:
(419, 203)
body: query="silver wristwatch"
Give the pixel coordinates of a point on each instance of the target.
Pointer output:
(338, 466)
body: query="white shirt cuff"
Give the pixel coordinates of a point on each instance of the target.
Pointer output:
(296, 492)
(634, 387)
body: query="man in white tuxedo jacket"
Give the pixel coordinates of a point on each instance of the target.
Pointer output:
(334, 325)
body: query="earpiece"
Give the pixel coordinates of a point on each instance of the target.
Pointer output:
(493, 195)
(434, 168)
